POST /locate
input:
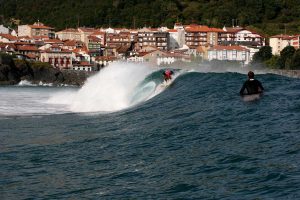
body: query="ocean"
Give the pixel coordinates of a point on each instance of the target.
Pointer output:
(125, 135)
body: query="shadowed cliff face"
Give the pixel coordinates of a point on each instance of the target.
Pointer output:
(12, 71)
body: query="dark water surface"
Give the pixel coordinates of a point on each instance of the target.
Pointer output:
(196, 140)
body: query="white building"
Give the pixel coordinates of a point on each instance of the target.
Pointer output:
(177, 38)
(242, 36)
(4, 30)
(57, 57)
(279, 42)
(83, 66)
(229, 53)
(68, 34)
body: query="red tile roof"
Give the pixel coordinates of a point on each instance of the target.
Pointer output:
(70, 43)
(8, 36)
(52, 41)
(33, 56)
(105, 58)
(27, 48)
(234, 29)
(94, 38)
(40, 27)
(83, 63)
(201, 28)
(40, 37)
(98, 33)
(11, 45)
(172, 31)
(24, 43)
(83, 29)
(283, 37)
(69, 30)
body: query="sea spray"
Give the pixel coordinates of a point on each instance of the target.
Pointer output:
(110, 90)
(117, 87)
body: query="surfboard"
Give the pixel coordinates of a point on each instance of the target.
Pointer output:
(251, 97)
(166, 84)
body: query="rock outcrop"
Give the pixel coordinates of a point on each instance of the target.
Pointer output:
(12, 71)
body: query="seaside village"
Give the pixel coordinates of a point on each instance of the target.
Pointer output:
(90, 49)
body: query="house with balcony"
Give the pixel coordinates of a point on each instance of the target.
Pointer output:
(57, 57)
(241, 36)
(120, 39)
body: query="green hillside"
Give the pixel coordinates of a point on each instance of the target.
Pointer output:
(268, 16)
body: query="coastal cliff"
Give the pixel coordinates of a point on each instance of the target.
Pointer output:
(12, 71)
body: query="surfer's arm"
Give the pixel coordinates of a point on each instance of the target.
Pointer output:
(242, 89)
(260, 86)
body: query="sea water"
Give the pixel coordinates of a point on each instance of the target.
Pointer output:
(119, 137)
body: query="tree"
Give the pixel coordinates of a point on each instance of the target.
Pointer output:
(286, 56)
(264, 54)
(273, 62)
(295, 61)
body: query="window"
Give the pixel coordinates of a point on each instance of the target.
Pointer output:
(224, 54)
(234, 53)
(243, 55)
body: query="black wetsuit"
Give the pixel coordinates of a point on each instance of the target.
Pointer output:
(251, 86)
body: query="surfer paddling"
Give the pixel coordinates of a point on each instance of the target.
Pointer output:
(251, 86)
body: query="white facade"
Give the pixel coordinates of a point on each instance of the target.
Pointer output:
(4, 30)
(57, 57)
(279, 42)
(248, 36)
(241, 36)
(173, 40)
(24, 30)
(69, 34)
(177, 38)
(229, 53)
(82, 68)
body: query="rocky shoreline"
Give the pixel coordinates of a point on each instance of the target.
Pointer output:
(12, 71)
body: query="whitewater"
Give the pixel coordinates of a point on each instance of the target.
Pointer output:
(124, 135)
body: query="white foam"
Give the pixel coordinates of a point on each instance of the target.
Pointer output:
(108, 91)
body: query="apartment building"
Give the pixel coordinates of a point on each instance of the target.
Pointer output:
(279, 42)
(199, 35)
(36, 29)
(153, 37)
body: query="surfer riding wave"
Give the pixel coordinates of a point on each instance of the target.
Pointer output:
(168, 75)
